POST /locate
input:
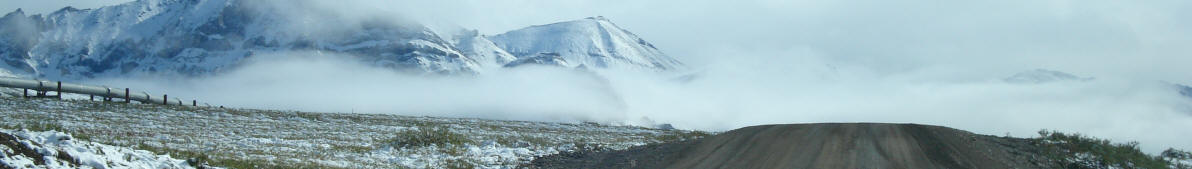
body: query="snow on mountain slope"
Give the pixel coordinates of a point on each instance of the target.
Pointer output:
(552, 59)
(18, 34)
(192, 37)
(483, 50)
(594, 42)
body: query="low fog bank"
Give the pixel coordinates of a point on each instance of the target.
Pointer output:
(322, 82)
(742, 92)
(800, 86)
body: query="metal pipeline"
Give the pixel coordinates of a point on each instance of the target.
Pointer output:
(101, 91)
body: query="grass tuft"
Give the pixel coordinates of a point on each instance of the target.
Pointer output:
(427, 136)
(1080, 151)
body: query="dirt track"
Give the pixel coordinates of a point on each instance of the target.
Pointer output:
(825, 145)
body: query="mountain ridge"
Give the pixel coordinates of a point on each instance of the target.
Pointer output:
(592, 41)
(205, 37)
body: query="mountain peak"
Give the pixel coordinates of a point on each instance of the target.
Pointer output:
(66, 9)
(593, 41)
(19, 12)
(1044, 76)
(598, 18)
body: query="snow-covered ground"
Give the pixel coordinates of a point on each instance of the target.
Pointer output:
(52, 149)
(262, 138)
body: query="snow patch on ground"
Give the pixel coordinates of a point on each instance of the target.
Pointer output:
(61, 150)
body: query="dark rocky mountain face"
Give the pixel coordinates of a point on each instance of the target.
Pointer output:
(18, 34)
(1184, 90)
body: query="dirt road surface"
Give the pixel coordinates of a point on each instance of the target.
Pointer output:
(823, 145)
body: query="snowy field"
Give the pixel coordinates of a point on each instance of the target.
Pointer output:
(247, 138)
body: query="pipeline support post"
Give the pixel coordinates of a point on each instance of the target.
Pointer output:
(40, 93)
(106, 95)
(59, 90)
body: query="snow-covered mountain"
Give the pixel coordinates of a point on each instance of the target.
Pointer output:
(202, 37)
(196, 37)
(593, 42)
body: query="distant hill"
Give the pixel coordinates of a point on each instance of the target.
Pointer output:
(1044, 76)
